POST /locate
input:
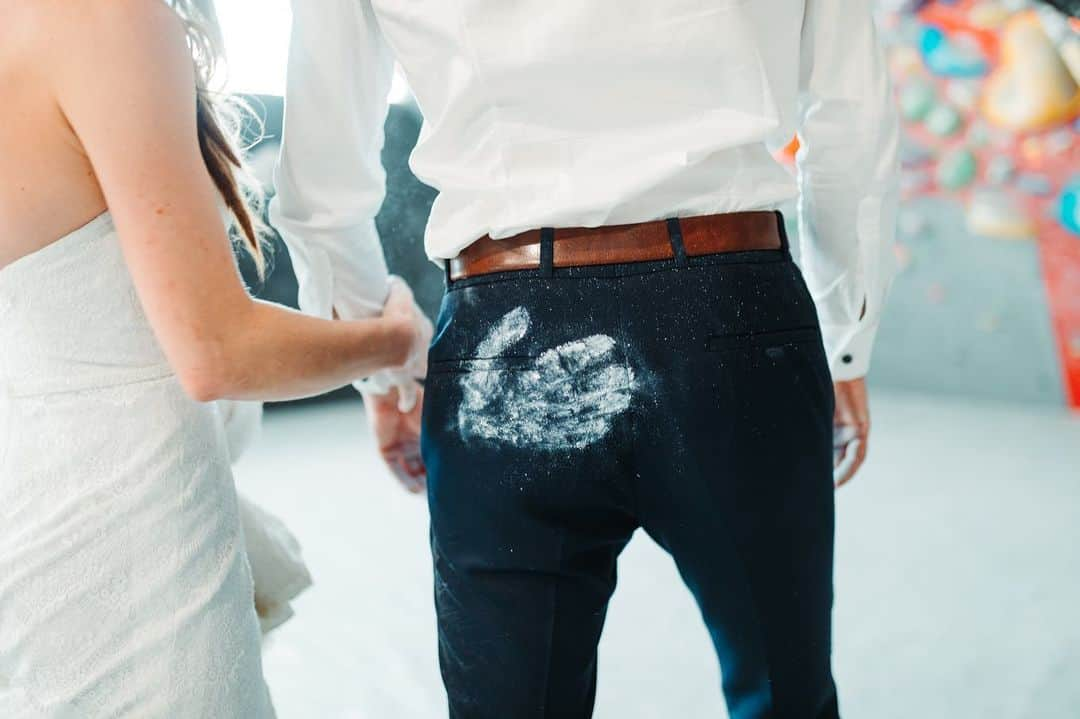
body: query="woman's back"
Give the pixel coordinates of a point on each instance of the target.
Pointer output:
(123, 574)
(47, 185)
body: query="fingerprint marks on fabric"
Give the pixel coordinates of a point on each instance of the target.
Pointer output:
(567, 398)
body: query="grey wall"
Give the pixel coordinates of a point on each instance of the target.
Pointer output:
(969, 315)
(966, 315)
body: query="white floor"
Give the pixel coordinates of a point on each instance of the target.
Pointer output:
(958, 577)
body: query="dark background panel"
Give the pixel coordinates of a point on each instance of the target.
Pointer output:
(401, 220)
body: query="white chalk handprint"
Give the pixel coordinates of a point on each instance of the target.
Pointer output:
(567, 398)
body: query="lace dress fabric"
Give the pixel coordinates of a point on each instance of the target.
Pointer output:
(277, 563)
(125, 590)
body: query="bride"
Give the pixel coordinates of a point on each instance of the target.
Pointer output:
(124, 586)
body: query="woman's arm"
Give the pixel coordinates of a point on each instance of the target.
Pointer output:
(125, 82)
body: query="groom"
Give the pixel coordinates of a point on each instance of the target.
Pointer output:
(625, 341)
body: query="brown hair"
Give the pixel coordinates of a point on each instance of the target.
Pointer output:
(220, 121)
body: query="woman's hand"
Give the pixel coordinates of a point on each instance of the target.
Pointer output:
(394, 417)
(402, 313)
(851, 429)
(401, 308)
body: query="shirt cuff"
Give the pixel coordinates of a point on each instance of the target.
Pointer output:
(848, 349)
(342, 270)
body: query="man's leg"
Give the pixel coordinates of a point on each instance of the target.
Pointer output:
(526, 525)
(736, 477)
(521, 642)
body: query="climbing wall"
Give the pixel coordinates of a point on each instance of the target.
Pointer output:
(987, 300)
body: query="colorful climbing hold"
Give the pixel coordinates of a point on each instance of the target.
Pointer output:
(1032, 88)
(943, 120)
(956, 169)
(951, 56)
(1069, 206)
(916, 100)
(991, 213)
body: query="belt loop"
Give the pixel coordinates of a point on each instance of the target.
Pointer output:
(674, 228)
(781, 226)
(547, 251)
(446, 274)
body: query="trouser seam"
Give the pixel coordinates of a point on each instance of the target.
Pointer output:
(631, 427)
(758, 622)
(553, 614)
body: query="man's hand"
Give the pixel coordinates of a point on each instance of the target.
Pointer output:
(397, 435)
(851, 429)
(393, 398)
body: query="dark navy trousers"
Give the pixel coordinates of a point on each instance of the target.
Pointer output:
(565, 409)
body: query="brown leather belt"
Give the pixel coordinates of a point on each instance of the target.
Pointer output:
(619, 244)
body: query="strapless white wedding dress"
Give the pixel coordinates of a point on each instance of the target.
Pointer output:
(124, 586)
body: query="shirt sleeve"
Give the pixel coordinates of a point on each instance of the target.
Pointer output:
(329, 178)
(847, 170)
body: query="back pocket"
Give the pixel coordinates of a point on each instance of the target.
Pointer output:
(765, 340)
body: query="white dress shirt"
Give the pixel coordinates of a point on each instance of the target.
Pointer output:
(568, 114)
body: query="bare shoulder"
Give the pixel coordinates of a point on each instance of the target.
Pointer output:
(150, 19)
(88, 31)
(19, 23)
(90, 17)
